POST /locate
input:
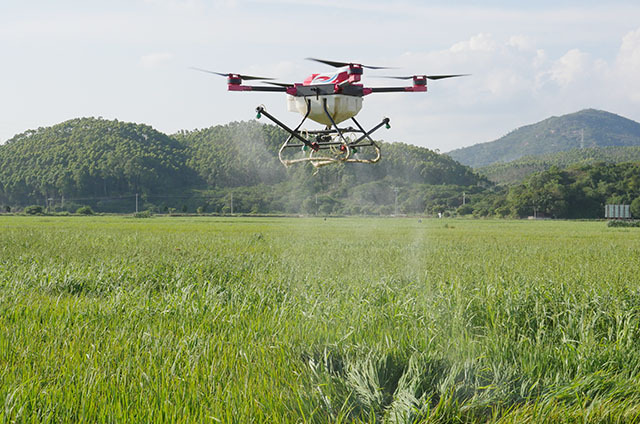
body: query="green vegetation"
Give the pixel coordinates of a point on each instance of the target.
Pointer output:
(555, 134)
(635, 207)
(580, 191)
(234, 155)
(89, 158)
(104, 164)
(110, 166)
(34, 210)
(304, 320)
(623, 223)
(85, 210)
(577, 192)
(516, 171)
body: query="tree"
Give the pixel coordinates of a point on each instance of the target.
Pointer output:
(635, 207)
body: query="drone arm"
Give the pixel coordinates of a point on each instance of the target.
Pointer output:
(294, 133)
(414, 89)
(238, 87)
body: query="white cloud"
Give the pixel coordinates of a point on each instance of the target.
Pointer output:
(569, 67)
(480, 42)
(629, 55)
(627, 65)
(153, 60)
(540, 58)
(520, 42)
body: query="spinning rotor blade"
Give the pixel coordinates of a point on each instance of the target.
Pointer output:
(437, 77)
(431, 77)
(336, 64)
(244, 77)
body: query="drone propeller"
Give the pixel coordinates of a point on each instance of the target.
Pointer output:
(228, 75)
(431, 77)
(343, 64)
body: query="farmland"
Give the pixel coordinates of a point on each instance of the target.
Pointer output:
(114, 319)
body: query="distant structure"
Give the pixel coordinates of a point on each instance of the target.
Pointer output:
(617, 212)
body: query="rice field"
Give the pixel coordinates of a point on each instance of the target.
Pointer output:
(239, 320)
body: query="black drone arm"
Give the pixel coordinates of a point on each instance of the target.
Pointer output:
(238, 87)
(390, 89)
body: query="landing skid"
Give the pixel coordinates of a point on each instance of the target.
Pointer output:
(328, 146)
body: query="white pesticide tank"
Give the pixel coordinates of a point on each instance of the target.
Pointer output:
(340, 107)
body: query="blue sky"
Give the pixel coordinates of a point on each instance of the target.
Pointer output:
(130, 60)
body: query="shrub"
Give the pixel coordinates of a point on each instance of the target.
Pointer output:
(33, 210)
(85, 210)
(623, 223)
(465, 210)
(143, 214)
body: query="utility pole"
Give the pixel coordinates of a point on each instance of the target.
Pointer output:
(231, 203)
(396, 189)
(62, 203)
(464, 198)
(136, 202)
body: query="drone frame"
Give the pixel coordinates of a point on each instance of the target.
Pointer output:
(343, 144)
(332, 138)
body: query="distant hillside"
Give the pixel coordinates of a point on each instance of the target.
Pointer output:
(106, 164)
(517, 170)
(587, 128)
(246, 153)
(234, 155)
(90, 157)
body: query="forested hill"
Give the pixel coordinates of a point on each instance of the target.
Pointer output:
(587, 128)
(234, 155)
(517, 170)
(246, 153)
(90, 157)
(96, 161)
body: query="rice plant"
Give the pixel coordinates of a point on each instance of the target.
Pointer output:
(114, 319)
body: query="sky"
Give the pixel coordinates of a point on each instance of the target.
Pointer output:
(130, 60)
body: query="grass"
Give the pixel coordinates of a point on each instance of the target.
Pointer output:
(109, 319)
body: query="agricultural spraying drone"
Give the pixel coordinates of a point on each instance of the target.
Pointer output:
(328, 99)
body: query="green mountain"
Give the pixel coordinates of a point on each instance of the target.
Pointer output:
(90, 157)
(587, 128)
(106, 163)
(516, 171)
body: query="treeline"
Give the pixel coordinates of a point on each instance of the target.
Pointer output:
(517, 170)
(114, 166)
(580, 191)
(109, 164)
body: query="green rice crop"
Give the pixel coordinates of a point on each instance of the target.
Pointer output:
(114, 319)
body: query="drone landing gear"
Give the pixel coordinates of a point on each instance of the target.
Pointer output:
(328, 146)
